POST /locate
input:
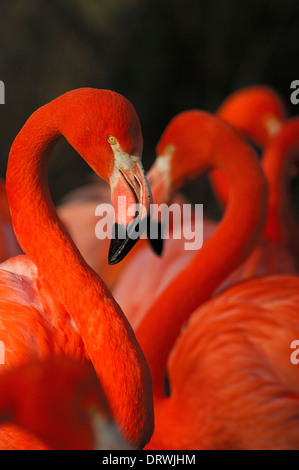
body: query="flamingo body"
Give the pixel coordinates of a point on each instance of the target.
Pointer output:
(34, 323)
(232, 384)
(56, 403)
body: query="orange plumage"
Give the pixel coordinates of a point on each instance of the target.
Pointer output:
(57, 404)
(52, 302)
(259, 114)
(232, 384)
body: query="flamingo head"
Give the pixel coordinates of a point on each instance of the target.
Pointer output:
(178, 152)
(256, 111)
(106, 132)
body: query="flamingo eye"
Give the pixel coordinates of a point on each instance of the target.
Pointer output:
(169, 150)
(112, 140)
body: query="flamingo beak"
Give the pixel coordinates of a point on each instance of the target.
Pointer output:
(131, 198)
(159, 180)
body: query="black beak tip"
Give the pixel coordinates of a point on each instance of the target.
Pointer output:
(156, 241)
(157, 245)
(120, 245)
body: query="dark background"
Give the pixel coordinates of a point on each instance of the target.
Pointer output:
(165, 56)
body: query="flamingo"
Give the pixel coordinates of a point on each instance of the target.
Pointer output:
(231, 382)
(51, 301)
(167, 176)
(56, 404)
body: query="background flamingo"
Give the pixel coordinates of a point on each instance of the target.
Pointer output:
(231, 381)
(55, 404)
(231, 384)
(167, 175)
(51, 301)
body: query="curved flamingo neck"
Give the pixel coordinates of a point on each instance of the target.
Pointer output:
(220, 148)
(109, 340)
(280, 160)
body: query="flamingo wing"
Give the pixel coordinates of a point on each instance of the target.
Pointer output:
(33, 323)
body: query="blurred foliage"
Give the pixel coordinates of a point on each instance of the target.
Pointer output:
(165, 56)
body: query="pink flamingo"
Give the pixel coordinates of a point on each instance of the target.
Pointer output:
(170, 171)
(231, 382)
(51, 301)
